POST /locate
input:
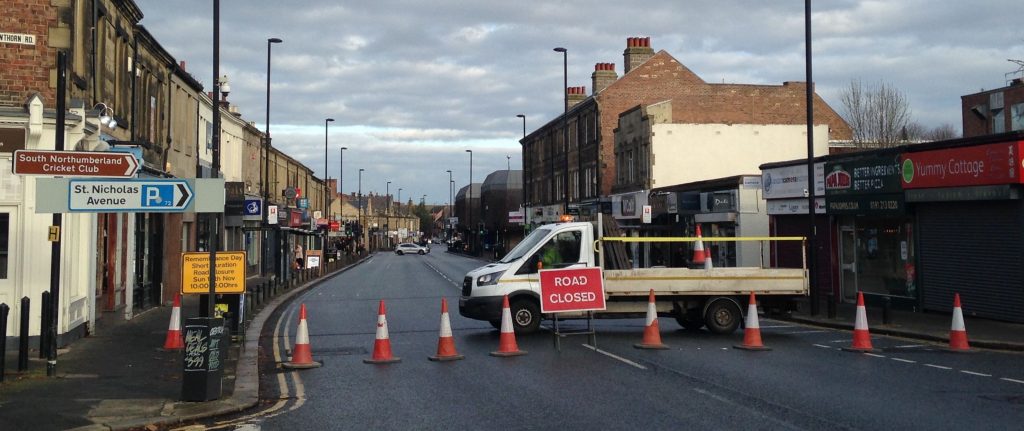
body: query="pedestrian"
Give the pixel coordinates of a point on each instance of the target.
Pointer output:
(299, 257)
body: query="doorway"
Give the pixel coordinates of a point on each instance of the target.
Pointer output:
(848, 262)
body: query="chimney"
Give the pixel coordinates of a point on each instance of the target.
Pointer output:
(182, 65)
(603, 76)
(576, 95)
(638, 50)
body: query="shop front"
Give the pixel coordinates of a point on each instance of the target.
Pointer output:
(875, 236)
(966, 196)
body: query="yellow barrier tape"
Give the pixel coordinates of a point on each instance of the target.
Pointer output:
(694, 239)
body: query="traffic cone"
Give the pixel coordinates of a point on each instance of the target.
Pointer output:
(752, 332)
(652, 334)
(698, 249)
(302, 355)
(382, 344)
(958, 333)
(861, 336)
(445, 342)
(707, 260)
(174, 341)
(507, 345)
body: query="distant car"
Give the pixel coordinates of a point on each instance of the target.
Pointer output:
(410, 248)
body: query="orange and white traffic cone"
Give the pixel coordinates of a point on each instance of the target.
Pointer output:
(861, 335)
(752, 330)
(698, 249)
(302, 355)
(174, 340)
(958, 332)
(382, 343)
(507, 344)
(445, 342)
(652, 333)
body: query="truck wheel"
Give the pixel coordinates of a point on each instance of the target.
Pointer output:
(689, 319)
(723, 317)
(525, 316)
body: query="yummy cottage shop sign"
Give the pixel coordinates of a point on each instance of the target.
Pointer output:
(980, 165)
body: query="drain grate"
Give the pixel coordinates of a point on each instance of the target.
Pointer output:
(340, 351)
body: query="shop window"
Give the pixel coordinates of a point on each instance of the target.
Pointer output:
(884, 258)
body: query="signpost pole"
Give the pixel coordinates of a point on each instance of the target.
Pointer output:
(51, 350)
(212, 227)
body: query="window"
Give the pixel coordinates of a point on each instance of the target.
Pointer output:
(998, 122)
(1017, 117)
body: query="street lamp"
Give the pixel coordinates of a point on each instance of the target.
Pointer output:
(526, 154)
(327, 200)
(387, 194)
(266, 161)
(450, 181)
(811, 213)
(341, 181)
(399, 199)
(565, 125)
(469, 200)
(360, 203)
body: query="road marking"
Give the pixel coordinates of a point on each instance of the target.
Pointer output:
(1012, 380)
(904, 360)
(872, 354)
(457, 285)
(614, 356)
(776, 326)
(908, 346)
(803, 332)
(840, 341)
(975, 374)
(938, 366)
(822, 346)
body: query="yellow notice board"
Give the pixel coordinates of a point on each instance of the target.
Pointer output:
(195, 272)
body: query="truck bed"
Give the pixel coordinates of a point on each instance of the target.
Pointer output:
(716, 281)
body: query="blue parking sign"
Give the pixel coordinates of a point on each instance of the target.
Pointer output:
(157, 195)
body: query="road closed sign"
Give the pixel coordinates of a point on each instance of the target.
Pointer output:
(573, 289)
(195, 272)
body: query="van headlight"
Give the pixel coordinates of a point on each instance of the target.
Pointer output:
(489, 279)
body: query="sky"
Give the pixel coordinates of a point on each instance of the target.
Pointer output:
(413, 84)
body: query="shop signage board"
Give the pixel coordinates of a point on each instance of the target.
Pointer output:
(272, 214)
(791, 181)
(253, 207)
(571, 289)
(75, 164)
(867, 175)
(978, 165)
(195, 272)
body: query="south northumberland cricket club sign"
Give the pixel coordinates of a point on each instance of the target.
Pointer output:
(574, 289)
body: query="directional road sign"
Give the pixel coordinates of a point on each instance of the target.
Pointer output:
(156, 195)
(75, 164)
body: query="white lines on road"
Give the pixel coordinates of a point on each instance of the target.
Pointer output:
(614, 356)
(457, 285)
(938, 366)
(874, 354)
(804, 332)
(909, 346)
(904, 360)
(1012, 380)
(975, 374)
(822, 346)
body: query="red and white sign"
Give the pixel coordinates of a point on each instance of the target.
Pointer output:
(271, 214)
(977, 165)
(572, 289)
(75, 164)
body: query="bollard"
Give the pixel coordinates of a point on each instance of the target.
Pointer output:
(44, 325)
(273, 287)
(831, 305)
(886, 307)
(4, 311)
(23, 335)
(264, 293)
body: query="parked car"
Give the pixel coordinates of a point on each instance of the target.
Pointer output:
(410, 248)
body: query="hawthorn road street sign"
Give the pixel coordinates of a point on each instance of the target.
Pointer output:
(63, 195)
(75, 164)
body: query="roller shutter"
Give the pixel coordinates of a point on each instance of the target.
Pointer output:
(974, 248)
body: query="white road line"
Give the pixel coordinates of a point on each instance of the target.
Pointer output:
(803, 332)
(614, 356)
(775, 327)
(938, 366)
(908, 346)
(840, 341)
(872, 354)
(1012, 380)
(822, 346)
(975, 374)
(904, 360)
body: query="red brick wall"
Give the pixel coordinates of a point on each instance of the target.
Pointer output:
(975, 125)
(25, 69)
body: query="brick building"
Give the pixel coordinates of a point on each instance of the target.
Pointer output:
(583, 171)
(994, 111)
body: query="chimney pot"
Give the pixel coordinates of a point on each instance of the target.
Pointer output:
(182, 64)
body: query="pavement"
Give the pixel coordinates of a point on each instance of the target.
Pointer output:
(120, 378)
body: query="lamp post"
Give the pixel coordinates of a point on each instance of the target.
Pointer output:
(469, 202)
(266, 162)
(450, 181)
(359, 207)
(526, 183)
(327, 200)
(387, 194)
(399, 198)
(565, 125)
(341, 181)
(811, 231)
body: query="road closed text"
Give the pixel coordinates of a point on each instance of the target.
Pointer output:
(575, 289)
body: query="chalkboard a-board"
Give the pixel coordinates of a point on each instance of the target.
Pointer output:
(203, 359)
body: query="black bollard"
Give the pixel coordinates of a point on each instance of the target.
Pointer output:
(44, 325)
(23, 335)
(886, 307)
(4, 311)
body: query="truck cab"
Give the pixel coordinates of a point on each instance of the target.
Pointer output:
(564, 245)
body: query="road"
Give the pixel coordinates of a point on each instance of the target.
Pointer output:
(701, 382)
